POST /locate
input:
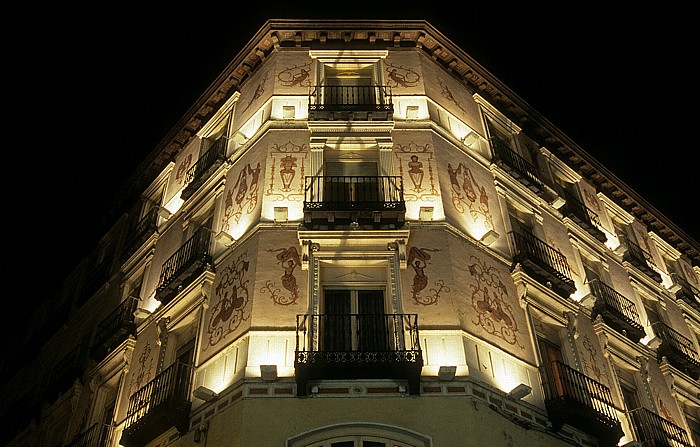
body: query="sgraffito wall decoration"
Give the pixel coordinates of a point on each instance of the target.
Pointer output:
(289, 260)
(689, 273)
(280, 283)
(491, 308)
(592, 201)
(418, 260)
(402, 72)
(241, 201)
(556, 236)
(183, 162)
(659, 391)
(414, 161)
(255, 91)
(645, 242)
(227, 314)
(287, 167)
(486, 303)
(143, 366)
(293, 73)
(469, 194)
(587, 348)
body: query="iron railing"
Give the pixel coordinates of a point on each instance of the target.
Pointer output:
(641, 259)
(205, 165)
(524, 168)
(98, 435)
(610, 302)
(169, 388)
(119, 321)
(651, 428)
(534, 252)
(352, 192)
(678, 349)
(195, 250)
(144, 228)
(563, 383)
(687, 292)
(345, 98)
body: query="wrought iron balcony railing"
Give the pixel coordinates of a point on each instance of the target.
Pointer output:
(184, 265)
(139, 233)
(66, 371)
(583, 216)
(573, 398)
(207, 163)
(687, 292)
(653, 430)
(677, 349)
(98, 435)
(543, 262)
(616, 310)
(358, 346)
(366, 102)
(345, 198)
(161, 404)
(114, 328)
(641, 259)
(516, 165)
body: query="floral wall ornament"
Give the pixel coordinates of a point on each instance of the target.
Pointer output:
(399, 76)
(298, 75)
(417, 164)
(289, 259)
(466, 191)
(230, 301)
(489, 298)
(242, 197)
(418, 260)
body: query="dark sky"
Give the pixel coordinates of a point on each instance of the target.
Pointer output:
(98, 89)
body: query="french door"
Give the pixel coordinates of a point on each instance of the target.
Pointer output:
(354, 320)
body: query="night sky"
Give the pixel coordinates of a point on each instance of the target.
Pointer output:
(98, 89)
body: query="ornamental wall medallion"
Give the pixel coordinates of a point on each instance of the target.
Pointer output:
(467, 192)
(298, 75)
(418, 260)
(289, 260)
(490, 300)
(230, 301)
(398, 76)
(415, 163)
(287, 170)
(242, 197)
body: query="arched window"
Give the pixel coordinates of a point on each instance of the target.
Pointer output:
(359, 434)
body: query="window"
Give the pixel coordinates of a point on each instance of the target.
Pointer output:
(355, 320)
(359, 434)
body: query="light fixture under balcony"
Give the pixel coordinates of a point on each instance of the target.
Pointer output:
(520, 391)
(224, 238)
(447, 373)
(489, 237)
(470, 138)
(425, 214)
(411, 112)
(205, 394)
(268, 372)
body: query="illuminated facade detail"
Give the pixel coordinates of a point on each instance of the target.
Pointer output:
(359, 223)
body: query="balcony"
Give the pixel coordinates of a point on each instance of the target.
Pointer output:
(67, 371)
(586, 218)
(98, 435)
(161, 404)
(143, 229)
(357, 346)
(205, 166)
(339, 201)
(678, 350)
(652, 430)
(687, 292)
(184, 266)
(114, 328)
(542, 262)
(517, 166)
(348, 103)
(575, 399)
(641, 259)
(617, 311)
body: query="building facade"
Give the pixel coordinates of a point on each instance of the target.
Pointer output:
(359, 237)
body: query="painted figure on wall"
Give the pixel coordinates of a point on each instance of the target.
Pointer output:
(398, 76)
(591, 362)
(418, 260)
(290, 158)
(145, 369)
(231, 298)
(490, 300)
(416, 161)
(246, 196)
(466, 191)
(289, 259)
(182, 169)
(296, 76)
